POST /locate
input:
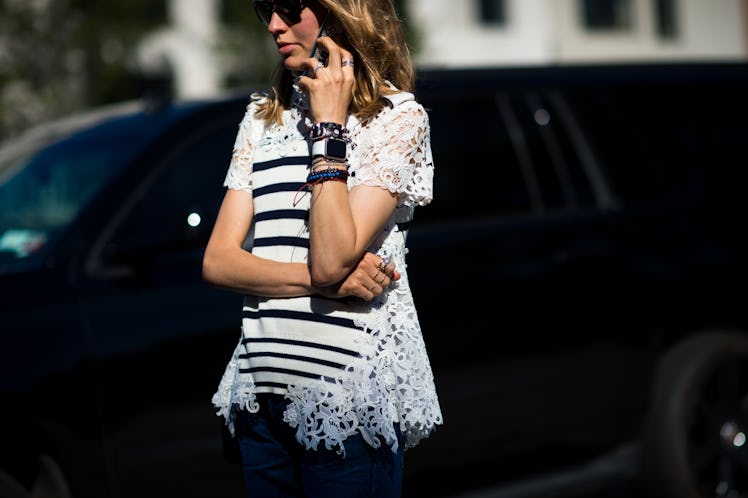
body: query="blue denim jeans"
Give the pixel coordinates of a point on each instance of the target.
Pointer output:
(275, 465)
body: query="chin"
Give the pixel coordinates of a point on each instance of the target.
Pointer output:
(292, 65)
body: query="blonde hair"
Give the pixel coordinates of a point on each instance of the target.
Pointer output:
(372, 31)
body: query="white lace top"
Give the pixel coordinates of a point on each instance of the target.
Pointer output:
(346, 366)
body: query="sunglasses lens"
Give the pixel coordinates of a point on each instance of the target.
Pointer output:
(264, 11)
(288, 10)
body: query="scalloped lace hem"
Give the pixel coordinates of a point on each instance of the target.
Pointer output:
(390, 383)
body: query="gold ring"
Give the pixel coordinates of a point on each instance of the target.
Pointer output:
(382, 265)
(384, 277)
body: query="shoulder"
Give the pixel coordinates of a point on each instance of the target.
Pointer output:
(400, 107)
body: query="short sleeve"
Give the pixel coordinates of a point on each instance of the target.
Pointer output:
(394, 152)
(239, 176)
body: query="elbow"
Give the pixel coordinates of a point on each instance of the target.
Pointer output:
(325, 275)
(210, 269)
(322, 279)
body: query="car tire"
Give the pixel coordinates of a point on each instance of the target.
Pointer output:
(694, 441)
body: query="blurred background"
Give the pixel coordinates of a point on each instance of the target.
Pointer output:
(608, 223)
(59, 56)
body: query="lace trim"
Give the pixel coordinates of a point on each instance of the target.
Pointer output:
(395, 153)
(390, 383)
(234, 390)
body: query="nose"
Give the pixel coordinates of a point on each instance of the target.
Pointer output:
(276, 24)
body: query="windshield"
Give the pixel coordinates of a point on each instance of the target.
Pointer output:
(43, 189)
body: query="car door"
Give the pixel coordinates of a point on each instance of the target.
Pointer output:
(515, 267)
(160, 336)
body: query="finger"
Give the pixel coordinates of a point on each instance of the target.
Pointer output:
(346, 60)
(311, 66)
(374, 288)
(333, 50)
(380, 278)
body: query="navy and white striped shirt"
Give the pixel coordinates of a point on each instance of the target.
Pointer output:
(361, 363)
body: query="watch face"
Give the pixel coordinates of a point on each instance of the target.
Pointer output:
(336, 148)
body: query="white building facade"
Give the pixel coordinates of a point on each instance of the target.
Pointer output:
(471, 33)
(459, 33)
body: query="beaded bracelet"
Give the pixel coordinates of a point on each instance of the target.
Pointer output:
(325, 162)
(326, 174)
(315, 177)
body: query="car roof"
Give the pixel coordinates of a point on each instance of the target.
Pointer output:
(47, 133)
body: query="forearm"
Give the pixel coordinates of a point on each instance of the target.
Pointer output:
(239, 270)
(332, 234)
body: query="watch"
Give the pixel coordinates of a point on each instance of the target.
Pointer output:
(331, 148)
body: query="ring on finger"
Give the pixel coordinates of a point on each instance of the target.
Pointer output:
(382, 265)
(384, 277)
(346, 62)
(319, 65)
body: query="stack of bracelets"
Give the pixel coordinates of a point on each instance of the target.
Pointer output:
(329, 154)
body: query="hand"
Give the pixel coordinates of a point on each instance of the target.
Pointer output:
(369, 279)
(330, 87)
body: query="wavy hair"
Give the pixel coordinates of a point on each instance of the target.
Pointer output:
(373, 33)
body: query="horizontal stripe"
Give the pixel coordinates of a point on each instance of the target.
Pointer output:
(281, 241)
(292, 342)
(276, 386)
(285, 371)
(277, 187)
(283, 214)
(285, 356)
(281, 370)
(300, 315)
(283, 161)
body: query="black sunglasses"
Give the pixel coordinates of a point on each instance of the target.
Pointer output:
(288, 10)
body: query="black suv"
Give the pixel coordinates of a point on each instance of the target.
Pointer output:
(578, 278)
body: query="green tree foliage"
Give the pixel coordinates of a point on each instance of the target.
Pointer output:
(58, 56)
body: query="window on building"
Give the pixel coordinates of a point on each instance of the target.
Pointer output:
(492, 11)
(607, 14)
(666, 20)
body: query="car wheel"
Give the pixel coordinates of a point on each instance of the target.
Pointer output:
(695, 439)
(50, 482)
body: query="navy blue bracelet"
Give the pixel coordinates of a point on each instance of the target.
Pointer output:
(320, 176)
(326, 174)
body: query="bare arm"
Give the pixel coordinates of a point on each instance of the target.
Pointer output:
(227, 265)
(341, 224)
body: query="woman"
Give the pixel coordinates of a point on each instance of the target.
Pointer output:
(330, 381)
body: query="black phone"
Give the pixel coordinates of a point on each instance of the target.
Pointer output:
(318, 52)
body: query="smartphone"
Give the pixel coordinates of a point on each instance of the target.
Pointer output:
(319, 52)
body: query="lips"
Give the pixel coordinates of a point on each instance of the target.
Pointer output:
(285, 48)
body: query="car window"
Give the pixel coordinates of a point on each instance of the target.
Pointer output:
(43, 190)
(506, 153)
(176, 210)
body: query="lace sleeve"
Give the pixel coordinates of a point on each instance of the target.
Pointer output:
(395, 153)
(239, 176)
